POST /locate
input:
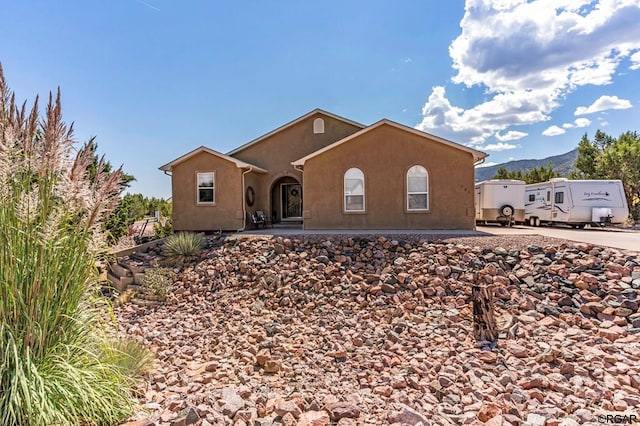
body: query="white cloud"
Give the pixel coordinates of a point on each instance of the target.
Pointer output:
(604, 103)
(527, 56)
(635, 61)
(582, 122)
(484, 120)
(407, 61)
(498, 147)
(579, 122)
(511, 135)
(554, 131)
(489, 164)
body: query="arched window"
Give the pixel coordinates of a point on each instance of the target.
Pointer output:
(417, 188)
(318, 125)
(354, 190)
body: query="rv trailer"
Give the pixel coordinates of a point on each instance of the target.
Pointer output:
(500, 201)
(576, 202)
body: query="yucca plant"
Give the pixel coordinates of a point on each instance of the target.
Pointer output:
(183, 246)
(56, 359)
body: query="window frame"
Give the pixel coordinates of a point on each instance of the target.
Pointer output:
(198, 188)
(558, 197)
(344, 192)
(408, 193)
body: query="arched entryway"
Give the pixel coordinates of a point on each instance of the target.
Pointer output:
(286, 200)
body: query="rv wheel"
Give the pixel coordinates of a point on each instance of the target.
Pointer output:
(537, 221)
(506, 210)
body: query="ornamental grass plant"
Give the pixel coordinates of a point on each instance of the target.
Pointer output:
(183, 247)
(59, 364)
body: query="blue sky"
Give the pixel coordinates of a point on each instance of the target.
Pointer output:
(153, 79)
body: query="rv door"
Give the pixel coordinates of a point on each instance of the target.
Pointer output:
(560, 212)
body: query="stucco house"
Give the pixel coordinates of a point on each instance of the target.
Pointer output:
(328, 172)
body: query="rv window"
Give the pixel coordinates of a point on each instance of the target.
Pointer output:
(532, 197)
(559, 197)
(548, 195)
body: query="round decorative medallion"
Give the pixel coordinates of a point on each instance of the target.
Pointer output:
(250, 196)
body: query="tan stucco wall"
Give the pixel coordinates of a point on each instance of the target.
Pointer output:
(276, 152)
(385, 154)
(225, 214)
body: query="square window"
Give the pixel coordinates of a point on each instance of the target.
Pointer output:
(354, 203)
(417, 201)
(206, 188)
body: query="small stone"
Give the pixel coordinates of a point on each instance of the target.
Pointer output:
(140, 422)
(612, 333)
(288, 420)
(339, 410)
(567, 368)
(407, 416)
(385, 391)
(314, 418)
(517, 350)
(263, 356)
(531, 383)
(288, 407)
(495, 421)
(488, 411)
(272, 366)
(188, 416)
(536, 420)
(388, 288)
(487, 356)
(231, 402)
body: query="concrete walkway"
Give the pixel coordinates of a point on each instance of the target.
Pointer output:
(297, 231)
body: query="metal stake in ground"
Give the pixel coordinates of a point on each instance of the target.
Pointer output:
(484, 320)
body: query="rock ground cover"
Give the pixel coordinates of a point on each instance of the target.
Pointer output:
(377, 330)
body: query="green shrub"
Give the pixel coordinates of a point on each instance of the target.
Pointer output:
(159, 282)
(163, 230)
(131, 357)
(184, 246)
(54, 362)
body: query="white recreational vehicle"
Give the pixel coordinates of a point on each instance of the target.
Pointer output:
(500, 201)
(576, 202)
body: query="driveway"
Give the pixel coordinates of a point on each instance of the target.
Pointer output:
(610, 237)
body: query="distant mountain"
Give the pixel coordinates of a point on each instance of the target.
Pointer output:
(562, 164)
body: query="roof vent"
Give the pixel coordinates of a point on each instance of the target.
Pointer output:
(318, 126)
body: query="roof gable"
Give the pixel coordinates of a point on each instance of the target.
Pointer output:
(240, 164)
(477, 155)
(292, 123)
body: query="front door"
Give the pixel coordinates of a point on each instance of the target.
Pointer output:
(291, 201)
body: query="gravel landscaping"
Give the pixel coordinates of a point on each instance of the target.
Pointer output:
(371, 330)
